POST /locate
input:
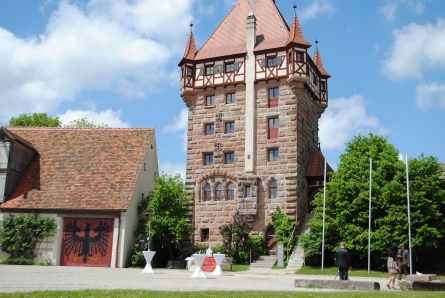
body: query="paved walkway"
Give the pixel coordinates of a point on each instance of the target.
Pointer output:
(33, 278)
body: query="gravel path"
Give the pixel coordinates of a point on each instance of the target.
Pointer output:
(33, 278)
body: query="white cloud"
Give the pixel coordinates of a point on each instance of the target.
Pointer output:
(119, 46)
(109, 117)
(415, 48)
(344, 118)
(172, 168)
(430, 95)
(315, 9)
(389, 9)
(180, 125)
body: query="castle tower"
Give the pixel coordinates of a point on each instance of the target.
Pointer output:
(254, 96)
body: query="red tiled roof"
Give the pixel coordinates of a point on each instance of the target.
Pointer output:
(319, 63)
(80, 168)
(316, 165)
(229, 38)
(295, 34)
(190, 49)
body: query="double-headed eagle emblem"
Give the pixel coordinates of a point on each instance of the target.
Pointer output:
(86, 246)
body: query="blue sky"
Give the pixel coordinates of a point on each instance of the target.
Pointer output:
(115, 62)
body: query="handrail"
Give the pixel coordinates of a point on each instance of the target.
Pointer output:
(291, 236)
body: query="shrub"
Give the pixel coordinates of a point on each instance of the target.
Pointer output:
(18, 261)
(46, 262)
(253, 248)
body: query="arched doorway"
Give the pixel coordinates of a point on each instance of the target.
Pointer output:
(271, 242)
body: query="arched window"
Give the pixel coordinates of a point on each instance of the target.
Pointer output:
(230, 192)
(273, 189)
(207, 192)
(219, 192)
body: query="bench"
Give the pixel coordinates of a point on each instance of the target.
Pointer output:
(228, 262)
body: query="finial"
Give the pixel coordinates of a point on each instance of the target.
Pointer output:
(295, 9)
(316, 43)
(191, 27)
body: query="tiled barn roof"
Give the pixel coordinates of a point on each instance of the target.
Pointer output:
(80, 168)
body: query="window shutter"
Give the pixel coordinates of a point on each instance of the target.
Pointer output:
(201, 71)
(263, 62)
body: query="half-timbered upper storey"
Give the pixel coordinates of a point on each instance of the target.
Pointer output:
(280, 52)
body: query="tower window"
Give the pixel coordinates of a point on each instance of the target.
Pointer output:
(300, 57)
(247, 191)
(219, 192)
(210, 129)
(322, 86)
(204, 235)
(189, 71)
(230, 98)
(272, 61)
(273, 128)
(273, 97)
(273, 154)
(208, 159)
(210, 100)
(230, 67)
(273, 189)
(230, 157)
(230, 127)
(230, 192)
(209, 70)
(207, 192)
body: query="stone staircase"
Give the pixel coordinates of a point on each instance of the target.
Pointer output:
(264, 262)
(296, 260)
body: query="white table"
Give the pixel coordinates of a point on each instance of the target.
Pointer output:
(218, 259)
(148, 255)
(199, 259)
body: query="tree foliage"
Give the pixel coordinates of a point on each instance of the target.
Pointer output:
(84, 123)
(169, 204)
(36, 119)
(21, 235)
(284, 230)
(347, 205)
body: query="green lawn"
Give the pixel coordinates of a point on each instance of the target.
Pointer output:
(312, 270)
(222, 294)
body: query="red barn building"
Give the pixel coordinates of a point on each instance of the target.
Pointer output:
(254, 96)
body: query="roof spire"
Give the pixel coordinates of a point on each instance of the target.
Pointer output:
(190, 48)
(318, 62)
(295, 34)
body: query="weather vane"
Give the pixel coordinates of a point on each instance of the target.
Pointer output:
(191, 26)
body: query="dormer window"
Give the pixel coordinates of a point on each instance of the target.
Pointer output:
(272, 61)
(209, 70)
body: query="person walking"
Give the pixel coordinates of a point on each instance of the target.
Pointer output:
(392, 266)
(403, 260)
(343, 261)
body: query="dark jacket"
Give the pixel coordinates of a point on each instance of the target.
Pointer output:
(343, 260)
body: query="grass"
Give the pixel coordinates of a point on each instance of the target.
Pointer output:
(312, 270)
(230, 294)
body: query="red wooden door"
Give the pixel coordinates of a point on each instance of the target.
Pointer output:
(271, 241)
(87, 242)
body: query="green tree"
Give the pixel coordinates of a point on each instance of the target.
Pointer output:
(347, 203)
(169, 204)
(84, 123)
(284, 230)
(21, 235)
(236, 239)
(36, 119)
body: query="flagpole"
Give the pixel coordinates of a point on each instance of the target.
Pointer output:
(324, 208)
(369, 225)
(409, 218)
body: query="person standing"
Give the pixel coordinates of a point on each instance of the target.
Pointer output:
(343, 261)
(392, 266)
(403, 260)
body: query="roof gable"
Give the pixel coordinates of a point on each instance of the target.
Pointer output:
(229, 38)
(80, 169)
